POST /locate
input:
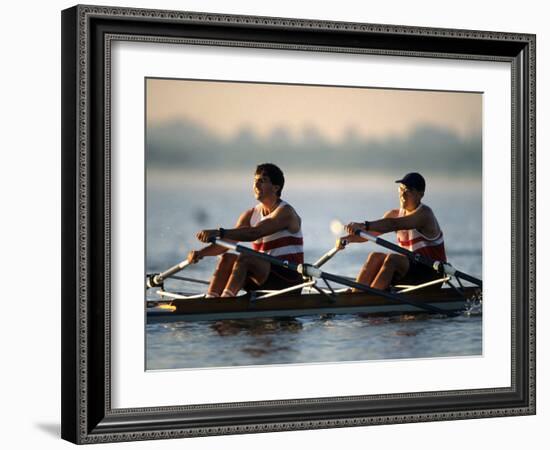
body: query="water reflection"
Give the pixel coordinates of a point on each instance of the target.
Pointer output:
(256, 327)
(263, 331)
(227, 343)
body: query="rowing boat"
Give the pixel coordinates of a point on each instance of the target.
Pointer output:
(176, 307)
(310, 299)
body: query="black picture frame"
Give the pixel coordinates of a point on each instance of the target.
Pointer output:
(87, 415)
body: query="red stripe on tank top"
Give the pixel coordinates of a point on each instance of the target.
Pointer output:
(418, 239)
(278, 243)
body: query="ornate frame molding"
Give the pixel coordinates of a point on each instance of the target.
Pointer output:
(88, 32)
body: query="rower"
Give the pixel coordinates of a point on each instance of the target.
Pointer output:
(273, 227)
(417, 231)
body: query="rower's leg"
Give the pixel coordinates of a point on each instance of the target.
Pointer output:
(394, 265)
(246, 265)
(222, 274)
(370, 269)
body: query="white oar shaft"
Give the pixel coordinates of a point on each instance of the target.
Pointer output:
(175, 269)
(157, 280)
(326, 257)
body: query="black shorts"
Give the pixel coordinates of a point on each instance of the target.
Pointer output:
(417, 274)
(278, 278)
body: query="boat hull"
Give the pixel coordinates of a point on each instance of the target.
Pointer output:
(244, 307)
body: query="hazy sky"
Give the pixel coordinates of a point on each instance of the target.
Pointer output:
(225, 108)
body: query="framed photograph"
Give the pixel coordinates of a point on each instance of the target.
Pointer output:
(260, 214)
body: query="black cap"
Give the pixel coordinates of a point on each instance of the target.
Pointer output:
(413, 180)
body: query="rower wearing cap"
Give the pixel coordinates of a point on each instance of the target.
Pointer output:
(273, 227)
(417, 231)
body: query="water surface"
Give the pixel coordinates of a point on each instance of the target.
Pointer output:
(180, 204)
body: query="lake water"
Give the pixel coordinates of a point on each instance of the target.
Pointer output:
(180, 204)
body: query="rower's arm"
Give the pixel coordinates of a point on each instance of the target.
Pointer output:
(280, 220)
(416, 220)
(213, 249)
(351, 227)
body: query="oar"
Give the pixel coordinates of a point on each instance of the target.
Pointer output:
(155, 280)
(328, 255)
(336, 227)
(438, 266)
(310, 270)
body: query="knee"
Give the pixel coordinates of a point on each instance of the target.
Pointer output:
(227, 260)
(376, 255)
(243, 260)
(391, 260)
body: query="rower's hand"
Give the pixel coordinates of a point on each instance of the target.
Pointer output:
(194, 256)
(352, 227)
(206, 235)
(341, 242)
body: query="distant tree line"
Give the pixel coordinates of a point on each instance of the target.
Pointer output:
(428, 148)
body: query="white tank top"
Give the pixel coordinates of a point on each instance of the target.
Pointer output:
(414, 241)
(282, 244)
